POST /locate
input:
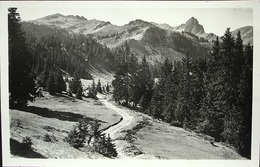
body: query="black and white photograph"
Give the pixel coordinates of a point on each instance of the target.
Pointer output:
(128, 81)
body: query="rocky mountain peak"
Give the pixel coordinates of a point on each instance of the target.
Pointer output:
(193, 26)
(192, 21)
(53, 16)
(139, 22)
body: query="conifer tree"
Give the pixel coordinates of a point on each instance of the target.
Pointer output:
(172, 88)
(146, 84)
(75, 84)
(157, 100)
(121, 83)
(79, 93)
(156, 107)
(107, 88)
(59, 82)
(99, 89)
(135, 80)
(21, 83)
(50, 85)
(245, 102)
(185, 102)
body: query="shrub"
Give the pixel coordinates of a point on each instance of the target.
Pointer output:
(86, 130)
(104, 146)
(75, 138)
(78, 134)
(49, 138)
(26, 143)
(92, 92)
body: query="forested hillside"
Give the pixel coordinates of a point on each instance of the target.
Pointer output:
(210, 94)
(58, 49)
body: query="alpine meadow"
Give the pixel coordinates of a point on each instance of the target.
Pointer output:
(86, 88)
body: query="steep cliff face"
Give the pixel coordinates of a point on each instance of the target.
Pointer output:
(193, 26)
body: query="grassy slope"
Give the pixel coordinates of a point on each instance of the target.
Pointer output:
(175, 143)
(55, 116)
(148, 138)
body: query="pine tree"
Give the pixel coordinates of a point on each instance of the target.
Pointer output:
(21, 83)
(185, 103)
(122, 80)
(79, 93)
(172, 88)
(119, 88)
(238, 130)
(107, 88)
(166, 68)
(75, 84)
(99, 89)
(111, 147)
(156, 107)
(146, 84)
(211, 110)
(50, 85)
(59, 82)
(158, 95)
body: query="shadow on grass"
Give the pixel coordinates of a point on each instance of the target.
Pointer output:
(57, 95)
(63, 116)
(18, 150)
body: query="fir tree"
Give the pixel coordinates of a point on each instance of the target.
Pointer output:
(99, 89)
(156, 106)
(79, 93)
(146, 84)
(50, 85)
(172, 88)
(135, 83)
(59, 82)
(21, 83)
(245, 102)
(158, 95)
(122, 80)
(75, 84)
(107, 88)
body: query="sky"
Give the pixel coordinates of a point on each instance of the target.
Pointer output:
(214, 17)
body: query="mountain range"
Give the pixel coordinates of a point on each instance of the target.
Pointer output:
(155, 41)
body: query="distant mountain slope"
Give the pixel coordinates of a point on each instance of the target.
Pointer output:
(193, 26)
(155, 41)
(246, 34)
(144, 38)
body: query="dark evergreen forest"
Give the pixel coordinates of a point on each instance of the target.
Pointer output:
(210, 94)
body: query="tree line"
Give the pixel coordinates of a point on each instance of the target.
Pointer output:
(210, 94)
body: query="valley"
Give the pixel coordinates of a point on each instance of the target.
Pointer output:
(89, 89)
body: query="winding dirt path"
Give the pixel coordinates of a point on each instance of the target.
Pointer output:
(126, 119)
(113, 131)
